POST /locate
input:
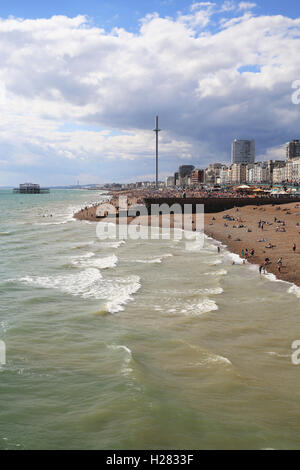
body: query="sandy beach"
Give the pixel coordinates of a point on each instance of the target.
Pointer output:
(254, 233)
(273, 238)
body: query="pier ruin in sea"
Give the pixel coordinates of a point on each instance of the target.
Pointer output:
(31, 188)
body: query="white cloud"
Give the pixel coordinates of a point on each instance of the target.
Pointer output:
(197, 5)
(63, 70)
(246, 5)
(228, 6)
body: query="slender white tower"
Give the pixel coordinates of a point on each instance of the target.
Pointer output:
(156, 130)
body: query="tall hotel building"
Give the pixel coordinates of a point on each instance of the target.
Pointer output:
(293, 150)
(243, 151)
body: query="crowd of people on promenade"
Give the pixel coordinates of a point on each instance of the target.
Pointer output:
(190, 192)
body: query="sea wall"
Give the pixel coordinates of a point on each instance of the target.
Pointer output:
(219, 204)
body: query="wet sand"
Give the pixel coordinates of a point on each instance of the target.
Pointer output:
(244, 233)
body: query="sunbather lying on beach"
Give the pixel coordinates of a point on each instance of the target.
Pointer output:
(269, 245)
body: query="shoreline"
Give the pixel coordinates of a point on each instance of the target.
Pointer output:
(241, 230)
(281, 235)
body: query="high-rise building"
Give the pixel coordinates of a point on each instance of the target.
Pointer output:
(184, 173)
(243, 151)
(293, 150)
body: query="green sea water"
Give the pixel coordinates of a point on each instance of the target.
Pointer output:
(138, 344)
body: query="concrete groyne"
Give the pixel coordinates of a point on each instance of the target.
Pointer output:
(219, 204)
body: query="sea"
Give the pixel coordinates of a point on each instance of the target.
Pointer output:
(138, 344)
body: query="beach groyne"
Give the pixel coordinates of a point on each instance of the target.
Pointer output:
(219, 204)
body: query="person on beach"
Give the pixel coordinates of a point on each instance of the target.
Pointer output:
(262, 269)
(242, 254)
(219, 249)
(294, 247)
(279, 264)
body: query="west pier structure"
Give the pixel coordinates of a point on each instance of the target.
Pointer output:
(31, 188)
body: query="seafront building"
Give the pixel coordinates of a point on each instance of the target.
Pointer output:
(197, 177)
(238, 173)
(266, 172)
(258, 173)
(288, 173)
(243, 151)
(242, 170)
(292, 150)
(184, 172)
(170, 181)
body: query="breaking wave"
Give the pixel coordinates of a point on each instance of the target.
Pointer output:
(86, 261)
(89, 284)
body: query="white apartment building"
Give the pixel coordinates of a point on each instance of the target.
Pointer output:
(290, 172)
(238, 173)
(170, 181)
(258, 173)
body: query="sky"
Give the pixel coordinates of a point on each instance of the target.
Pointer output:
(82, 81)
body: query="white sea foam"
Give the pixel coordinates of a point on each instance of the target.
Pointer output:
(83, 283)
(213, 359)
(150, 261)
(273, 353)
(125, 369)
(85, 261)
(89, 254)
(216, 358)
(272, 277)
(221, 272)
(212, 291)
(123, 293)
(294, 290)
(90, 284)
(234, 257)
(153, 260)
(114, 244)
(204, 306)
(194, 246)
(4, 326)
(213, 261)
